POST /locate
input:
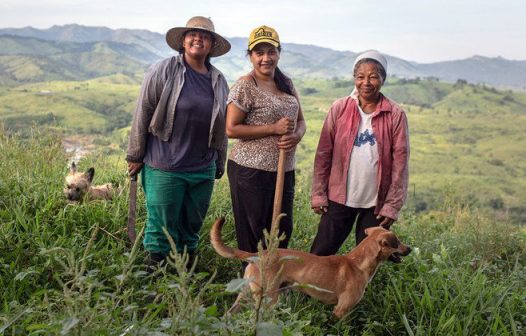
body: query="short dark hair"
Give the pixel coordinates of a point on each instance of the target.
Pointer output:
(378, 65)
(283, 82)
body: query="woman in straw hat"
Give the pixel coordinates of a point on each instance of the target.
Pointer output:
(361, 164)
(177, 138)
(264, 114)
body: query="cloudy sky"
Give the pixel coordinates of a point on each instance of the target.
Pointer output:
(417, 30)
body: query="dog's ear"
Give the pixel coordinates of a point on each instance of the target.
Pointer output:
(73, 168)
(90, 173)
(370, 230)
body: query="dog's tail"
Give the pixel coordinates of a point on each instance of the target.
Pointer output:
(220, 247)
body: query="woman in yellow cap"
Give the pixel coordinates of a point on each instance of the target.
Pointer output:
(264, 114)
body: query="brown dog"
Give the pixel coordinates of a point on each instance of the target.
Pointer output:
(336, 279)
(79, 184)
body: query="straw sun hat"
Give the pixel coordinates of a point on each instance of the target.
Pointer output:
(175, 36)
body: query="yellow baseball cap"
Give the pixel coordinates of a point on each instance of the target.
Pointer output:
(263, 34)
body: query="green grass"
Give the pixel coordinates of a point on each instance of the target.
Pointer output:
(68, 269)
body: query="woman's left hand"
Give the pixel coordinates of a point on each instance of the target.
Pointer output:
(385, 222)
(289, 141)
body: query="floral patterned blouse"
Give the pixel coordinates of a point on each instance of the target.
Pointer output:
(262, 108)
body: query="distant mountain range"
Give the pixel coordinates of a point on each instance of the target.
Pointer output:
(75, 52)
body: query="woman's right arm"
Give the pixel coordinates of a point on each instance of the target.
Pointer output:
(323, 164)
(146, 104)
(237, 129)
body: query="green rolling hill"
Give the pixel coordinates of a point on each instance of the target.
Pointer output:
(94, 106)
(466, 138)
(30, 60)
(117, 50)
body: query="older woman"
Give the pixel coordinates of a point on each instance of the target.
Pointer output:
(264, 113)
(178, 135)
(361, 165)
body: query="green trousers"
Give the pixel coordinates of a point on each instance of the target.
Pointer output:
(177, 202)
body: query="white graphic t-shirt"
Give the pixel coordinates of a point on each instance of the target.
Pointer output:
(362, 188)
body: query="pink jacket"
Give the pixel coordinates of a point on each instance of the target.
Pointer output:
(331, 164)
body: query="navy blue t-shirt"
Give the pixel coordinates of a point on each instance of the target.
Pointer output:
(187, 149)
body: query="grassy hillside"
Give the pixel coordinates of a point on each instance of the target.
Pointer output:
(95, 106)
(67, 269)
(465, 139)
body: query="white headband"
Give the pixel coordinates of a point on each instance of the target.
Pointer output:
(372, 54)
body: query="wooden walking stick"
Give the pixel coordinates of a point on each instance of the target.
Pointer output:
(132, 205)
(278, 194)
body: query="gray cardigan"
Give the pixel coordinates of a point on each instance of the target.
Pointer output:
(155, 110)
